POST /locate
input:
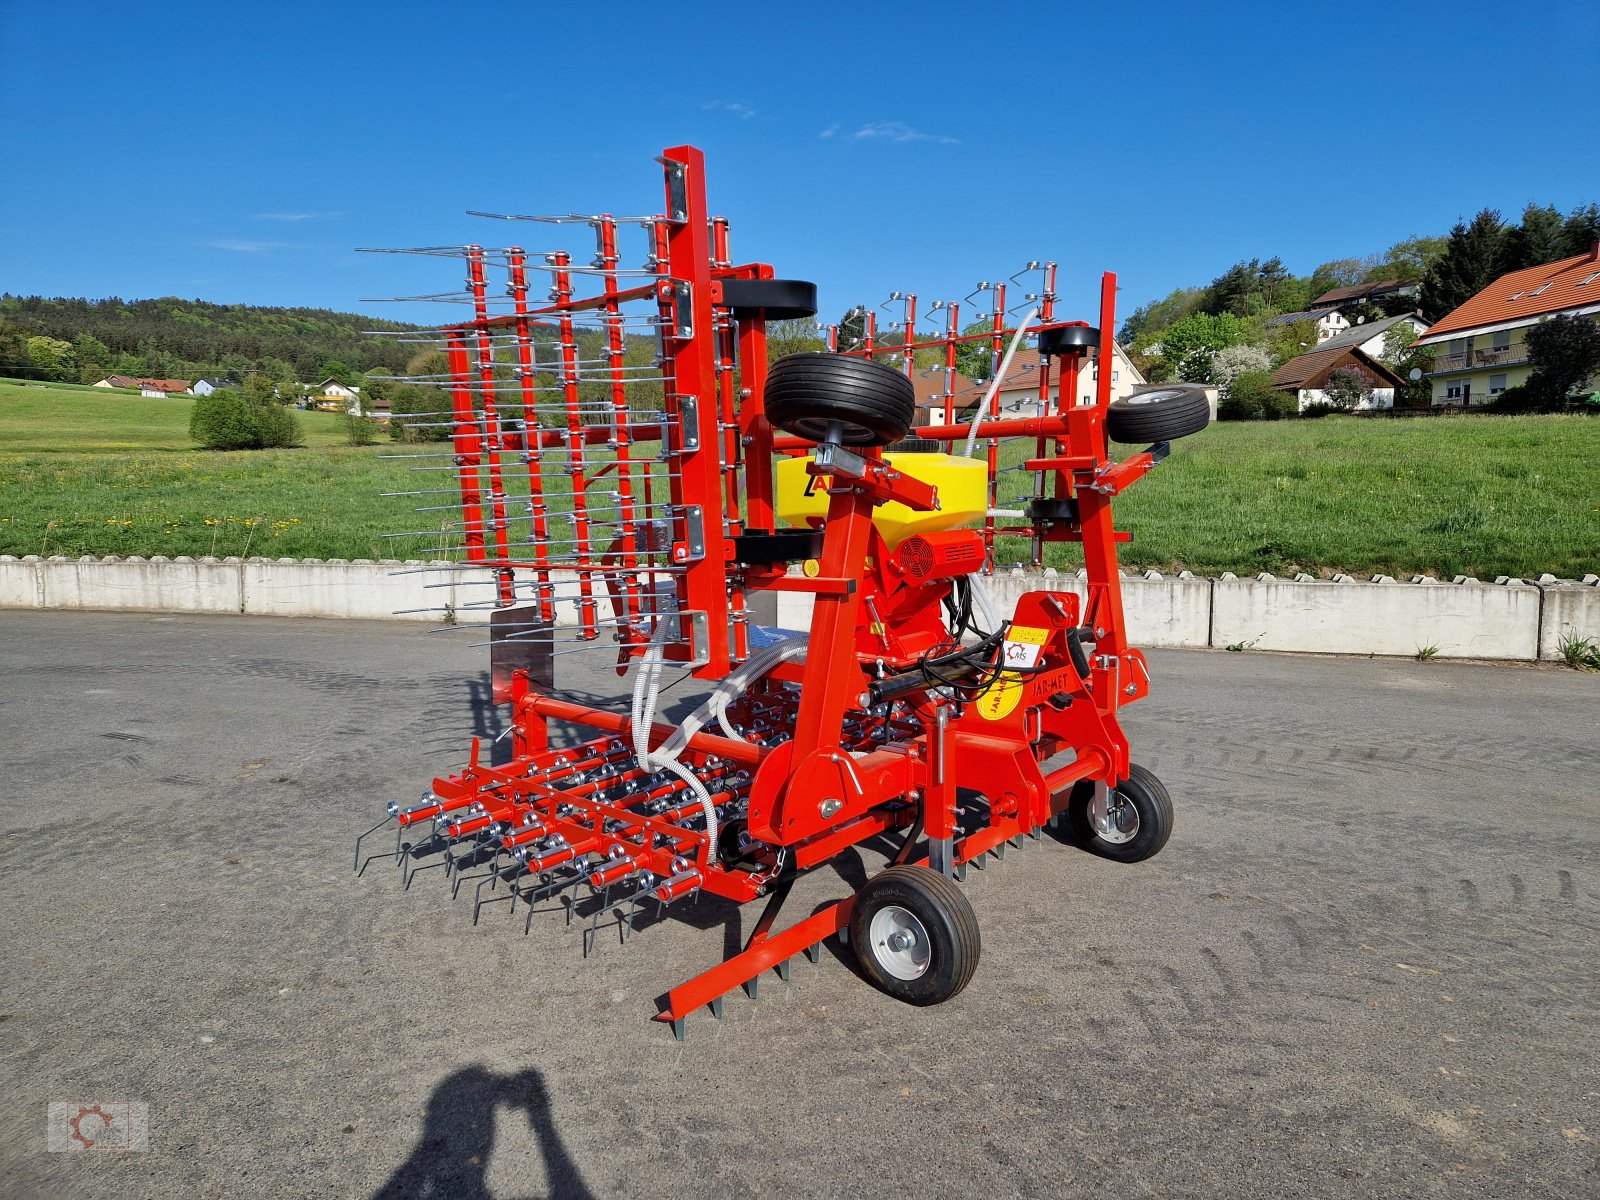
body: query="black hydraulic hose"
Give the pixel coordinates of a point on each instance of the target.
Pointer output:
(1080, 656)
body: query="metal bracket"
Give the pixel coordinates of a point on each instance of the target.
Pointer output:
(682, 309)
(699, 638)
(836, 460)
(693, 546)
(677, 190)
(689, 424)
(1100, 807)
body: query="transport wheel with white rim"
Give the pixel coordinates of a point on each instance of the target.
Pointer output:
(1158, 415)
(1138, 819)
(915, 935)
(839, 398)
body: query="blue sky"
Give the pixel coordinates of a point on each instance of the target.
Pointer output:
(239, 153)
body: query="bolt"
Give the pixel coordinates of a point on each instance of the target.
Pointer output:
(829, 806)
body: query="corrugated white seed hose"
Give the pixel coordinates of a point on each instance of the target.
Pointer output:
(646, 688)
(994, 384)
(991, 619)
(729, 688)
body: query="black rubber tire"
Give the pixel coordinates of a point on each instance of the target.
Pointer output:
(770, 299)
(873, 403)
(945, 914)
(1069, 339)
(1158, 414)
(1151, 805)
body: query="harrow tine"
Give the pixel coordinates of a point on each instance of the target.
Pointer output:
(545, 890)
(360, 867)
(412, 858)
(491, 881)
(480, 844)
(624, 920)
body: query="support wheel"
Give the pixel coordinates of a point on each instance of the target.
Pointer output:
(915, 935)
(1158, 415)
(1138, 818)
(834, 397)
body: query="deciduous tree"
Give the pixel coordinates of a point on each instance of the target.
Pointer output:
(1348, 388)
(1565, 353)
(52, 358)
(797, 335)
(1188, 348)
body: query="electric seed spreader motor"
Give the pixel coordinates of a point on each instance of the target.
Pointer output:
(629, 473)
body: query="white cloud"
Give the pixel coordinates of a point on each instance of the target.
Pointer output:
(737, 107)
(245, 246)
(899, 131)
(297, 216)
(830, 130)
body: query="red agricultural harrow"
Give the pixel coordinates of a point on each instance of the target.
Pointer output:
(626, 471)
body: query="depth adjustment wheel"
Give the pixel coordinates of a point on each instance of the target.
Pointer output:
(1137, 823)
(1158, 414)
(915, 935)
(835, 397)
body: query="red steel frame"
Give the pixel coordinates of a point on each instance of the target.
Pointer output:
(819, 768)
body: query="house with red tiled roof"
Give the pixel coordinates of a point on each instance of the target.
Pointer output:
(1480, 346)
(161, 387)
(1369, 293)
(932, 384)
(1306, 376)
(1018, 393)
(118, 381)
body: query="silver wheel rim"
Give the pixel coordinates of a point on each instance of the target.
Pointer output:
(1121, 823)
(1151, 397)
(900, 942)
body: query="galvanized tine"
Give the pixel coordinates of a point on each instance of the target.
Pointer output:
(409, 874)
(360, 867)
(487, 839)
(492, 882)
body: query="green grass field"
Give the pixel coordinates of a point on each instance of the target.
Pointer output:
(82, 473)
(1480, 496)
(61, 418)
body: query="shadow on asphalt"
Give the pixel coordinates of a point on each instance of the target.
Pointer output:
(451, 1158)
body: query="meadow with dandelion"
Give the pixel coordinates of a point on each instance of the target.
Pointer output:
(82, 473)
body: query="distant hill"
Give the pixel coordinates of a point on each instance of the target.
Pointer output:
(191, 339)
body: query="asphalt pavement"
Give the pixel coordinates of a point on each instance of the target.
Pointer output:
(1367, 964)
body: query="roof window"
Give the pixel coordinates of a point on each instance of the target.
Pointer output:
(1591, 279)
(1513, 296)
(1540, 290)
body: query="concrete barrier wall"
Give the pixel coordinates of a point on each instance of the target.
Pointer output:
(1571, 609)
(1463, 618)
(159, 584)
